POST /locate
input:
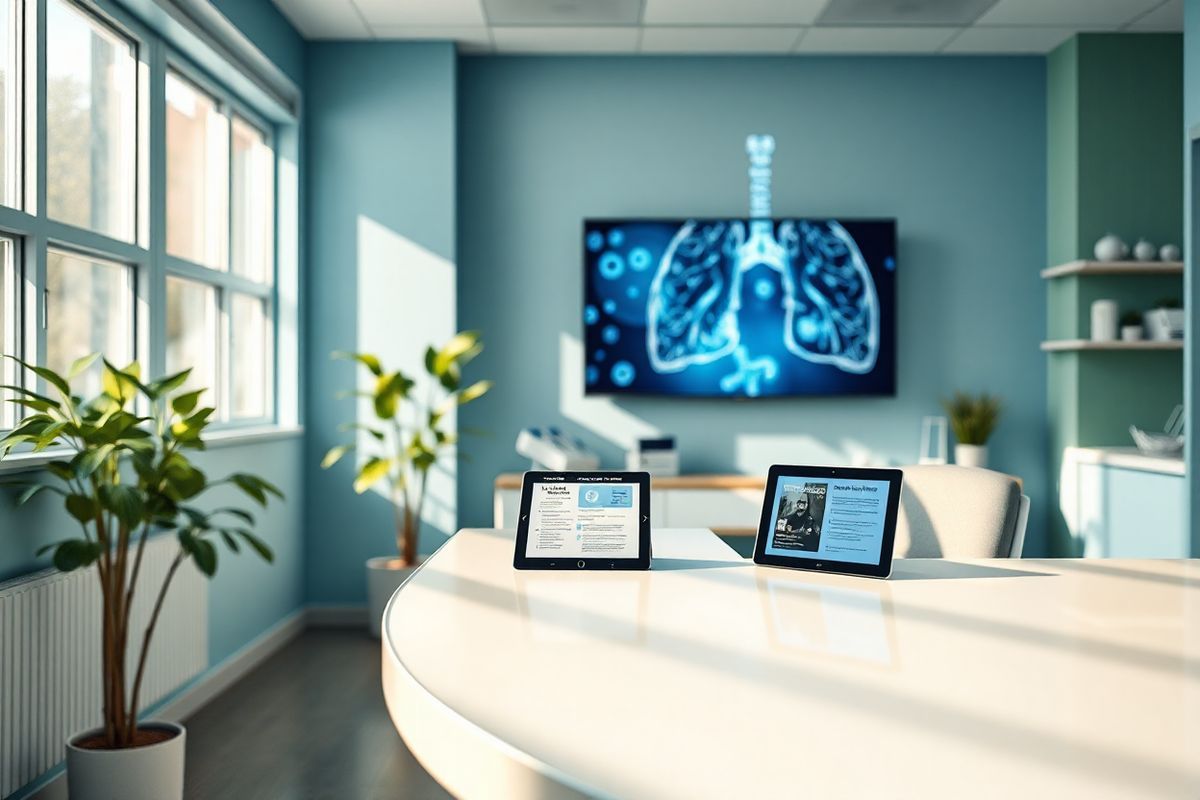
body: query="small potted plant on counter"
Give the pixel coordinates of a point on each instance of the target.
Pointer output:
(1131, 326)
(404, 441)
(973, 418)
(125, 475)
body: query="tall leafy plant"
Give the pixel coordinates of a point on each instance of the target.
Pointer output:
(125, 473)
(409, 433)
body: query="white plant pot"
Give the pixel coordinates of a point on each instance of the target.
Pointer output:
(152, 772)
(1131, 333)
(971, 455)
(384, 576)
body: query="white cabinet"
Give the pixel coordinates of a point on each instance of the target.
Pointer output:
(728, 504)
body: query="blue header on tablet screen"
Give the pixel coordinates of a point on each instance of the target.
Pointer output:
(832, 519)
(606, 496)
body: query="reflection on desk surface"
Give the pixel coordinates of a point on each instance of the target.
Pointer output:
(596, 605)
(831, 620)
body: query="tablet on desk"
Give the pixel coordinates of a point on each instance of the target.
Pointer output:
(584, 520)
(829, 519)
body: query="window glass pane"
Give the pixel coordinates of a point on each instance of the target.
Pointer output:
(10, 120)
(91, 123)
(253, 203)
(89, 309)
(197, 175)
(192, 335)
(8, 329)
(250, 352)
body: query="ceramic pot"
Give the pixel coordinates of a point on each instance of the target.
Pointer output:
(1110, 248)
(1131, 333)
(1144, 250)
(971, 455)
(1170, 252)
(384, 576)
(151, 772)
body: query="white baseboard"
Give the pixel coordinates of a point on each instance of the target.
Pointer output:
(337, 616)
(208, 686)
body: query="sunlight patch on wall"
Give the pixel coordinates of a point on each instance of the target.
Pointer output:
(406, 302)
(757, 452)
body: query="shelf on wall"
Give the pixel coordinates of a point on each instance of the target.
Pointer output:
(1114, 268)
(1077, 345)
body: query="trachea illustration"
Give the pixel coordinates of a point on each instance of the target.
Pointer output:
(831, 309)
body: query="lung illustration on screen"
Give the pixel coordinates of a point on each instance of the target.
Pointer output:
(740, 307)
(831, 309)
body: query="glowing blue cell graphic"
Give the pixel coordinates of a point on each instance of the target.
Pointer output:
(600, 355)
(595, 241)
(590, 314)
(622, 373)
(889, 264)
(639, 258)
(610, 306)
(616, 237)
(831, 310)
(612, 266)
(632, 292)
(611, 334)
(592, 374)
(764, 289)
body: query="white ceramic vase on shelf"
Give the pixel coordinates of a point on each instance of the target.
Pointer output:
(150, 772)
(971, 455)
(1104, 320)
(384, 576)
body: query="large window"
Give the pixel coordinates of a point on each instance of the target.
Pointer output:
(138, 209)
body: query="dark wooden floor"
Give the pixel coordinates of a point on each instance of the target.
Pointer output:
(309, 723)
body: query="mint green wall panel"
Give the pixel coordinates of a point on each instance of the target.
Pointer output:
(1130, 137)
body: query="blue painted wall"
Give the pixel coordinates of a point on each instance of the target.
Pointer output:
(954, 148)
(381, 127)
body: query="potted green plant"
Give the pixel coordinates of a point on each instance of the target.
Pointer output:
(125, 475)
(1131, 326)
(972, 418)
(406, 438)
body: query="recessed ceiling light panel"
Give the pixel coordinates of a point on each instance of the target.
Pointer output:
(904, 12)
(562, 12)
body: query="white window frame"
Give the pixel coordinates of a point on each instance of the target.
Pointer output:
(34, 233)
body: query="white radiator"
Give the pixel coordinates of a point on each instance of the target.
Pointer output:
(50, 655)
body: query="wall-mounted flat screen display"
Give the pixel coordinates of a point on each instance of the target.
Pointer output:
(740, 307)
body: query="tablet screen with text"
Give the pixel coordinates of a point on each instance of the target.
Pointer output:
(826, 518)
(583, 520)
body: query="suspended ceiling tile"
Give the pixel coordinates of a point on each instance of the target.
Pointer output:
(563, 13)
(732, 12)
(1008, 40)
(706, 40)
(1049, 13)
(874, 40)
(421, 12)
(594, 39)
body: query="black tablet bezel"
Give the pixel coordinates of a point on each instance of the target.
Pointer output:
(642, 479)
(883, 569)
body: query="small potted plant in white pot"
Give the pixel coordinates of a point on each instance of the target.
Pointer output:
(972, 418)
(125, 476)
(405, 440)
(1131, 326)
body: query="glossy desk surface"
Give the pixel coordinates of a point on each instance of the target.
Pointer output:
(711, 677)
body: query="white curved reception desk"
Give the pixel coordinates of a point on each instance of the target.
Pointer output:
(711, 677)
